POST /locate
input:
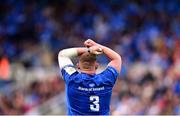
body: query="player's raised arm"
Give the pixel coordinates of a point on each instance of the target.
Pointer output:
(65, 55)
(115, 59)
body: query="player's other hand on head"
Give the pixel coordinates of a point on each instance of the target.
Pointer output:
(95, 50)
(89, 43)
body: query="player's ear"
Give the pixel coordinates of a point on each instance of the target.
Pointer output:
(96, 65)
(78, 67)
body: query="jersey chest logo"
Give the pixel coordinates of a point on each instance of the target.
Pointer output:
(91, 85)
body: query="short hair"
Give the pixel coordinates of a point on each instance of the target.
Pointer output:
(87, 60)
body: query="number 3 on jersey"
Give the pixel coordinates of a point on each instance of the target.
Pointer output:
(95, 101)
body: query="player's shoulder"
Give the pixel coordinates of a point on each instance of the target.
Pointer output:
(109, 69)
(70, 69)
(112, 69)
(68, 72)
(109, 75)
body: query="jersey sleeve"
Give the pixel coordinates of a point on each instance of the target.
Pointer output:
(67, 72)
(109, 75)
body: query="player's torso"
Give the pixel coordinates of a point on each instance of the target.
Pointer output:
(88, 95)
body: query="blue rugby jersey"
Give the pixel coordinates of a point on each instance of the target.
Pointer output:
(88, 94)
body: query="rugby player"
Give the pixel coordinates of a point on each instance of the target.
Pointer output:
(88, 93)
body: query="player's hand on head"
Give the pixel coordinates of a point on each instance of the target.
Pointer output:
(89, 43)
(96, 50)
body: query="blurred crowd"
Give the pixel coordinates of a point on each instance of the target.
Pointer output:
(146, 33)
(22, 100)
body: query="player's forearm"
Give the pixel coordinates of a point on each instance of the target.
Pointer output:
(73, 52)
(115, 59)
(65, 55)
(112, 55)
(81, 50)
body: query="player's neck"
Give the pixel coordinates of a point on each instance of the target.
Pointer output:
(91, 72)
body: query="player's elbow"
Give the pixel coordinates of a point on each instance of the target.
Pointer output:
(61, 53)
(118, 63)
(118, 57)
(63, 60)
(61, 56)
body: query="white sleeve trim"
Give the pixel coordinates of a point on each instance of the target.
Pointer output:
(70, 52)
(65, 55)
(64, 61)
